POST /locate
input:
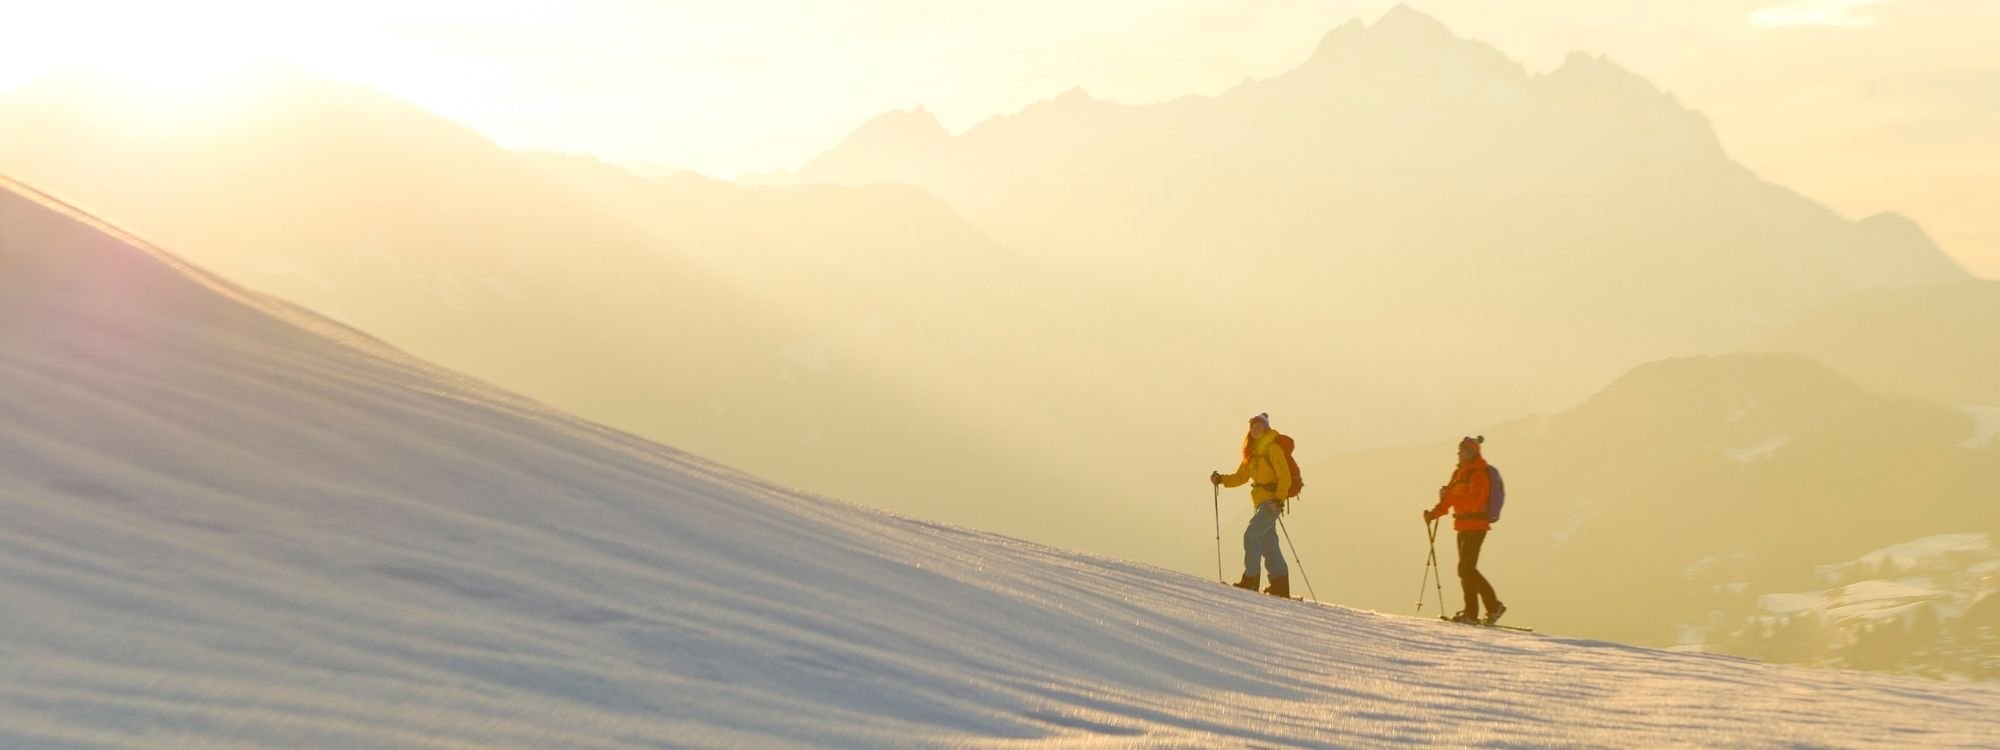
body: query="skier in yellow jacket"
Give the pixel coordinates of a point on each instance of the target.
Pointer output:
(1265, 467)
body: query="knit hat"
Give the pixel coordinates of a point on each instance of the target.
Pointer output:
(1264, 417)
(1472, 442)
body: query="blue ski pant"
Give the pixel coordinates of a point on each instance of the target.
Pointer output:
(1260, 540)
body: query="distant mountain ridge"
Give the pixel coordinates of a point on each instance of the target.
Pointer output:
(1939, 342)
(1586, 219)
(1620, 507)
(798, 331)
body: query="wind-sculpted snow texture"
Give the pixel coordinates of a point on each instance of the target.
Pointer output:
(231, 524)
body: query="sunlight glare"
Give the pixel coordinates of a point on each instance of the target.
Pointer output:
(175, 75)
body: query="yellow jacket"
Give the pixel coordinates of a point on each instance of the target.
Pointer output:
(1270, 476)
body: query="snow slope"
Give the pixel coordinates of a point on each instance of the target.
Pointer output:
(229, 523)
(1987, 426)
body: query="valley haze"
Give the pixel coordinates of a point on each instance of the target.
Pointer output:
(327, 419)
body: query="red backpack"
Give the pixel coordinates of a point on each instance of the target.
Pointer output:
(1298, 482)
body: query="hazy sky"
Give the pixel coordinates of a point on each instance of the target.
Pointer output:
(1867, 105)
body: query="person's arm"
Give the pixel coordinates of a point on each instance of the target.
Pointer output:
(1446, 496)
(1237, 479)
(1444, 502)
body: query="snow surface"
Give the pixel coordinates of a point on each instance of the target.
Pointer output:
(1879, 598)
(1862, 600)
(1931, 548)
(230, 523)
(1986, 426)
(1763, 449)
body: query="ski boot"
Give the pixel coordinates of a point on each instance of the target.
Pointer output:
(1281, 586)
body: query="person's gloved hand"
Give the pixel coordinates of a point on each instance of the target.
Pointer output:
(1428, 517)
(1215, 477)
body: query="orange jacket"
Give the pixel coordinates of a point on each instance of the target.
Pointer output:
(1466, 495)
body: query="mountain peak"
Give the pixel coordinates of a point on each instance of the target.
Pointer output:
(1597, 69)
(1069, 100)
(1074, 94)
(1404, 21)
(915, 122)
(1403, 36)
(893, 136)
(1714, 382)
(1340, 35)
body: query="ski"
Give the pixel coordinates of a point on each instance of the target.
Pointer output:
(1514, 628)
(1260, 593)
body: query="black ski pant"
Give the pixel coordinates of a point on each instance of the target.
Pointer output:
(1475, 585)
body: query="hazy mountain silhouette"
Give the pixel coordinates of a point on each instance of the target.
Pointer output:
(1407, 235)
(902, 293)
(810, 334)
(1399, 185)
(1625, 511)
(350, 202)
(1938, 342)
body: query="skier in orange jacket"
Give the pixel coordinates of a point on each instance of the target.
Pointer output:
(1465, 497)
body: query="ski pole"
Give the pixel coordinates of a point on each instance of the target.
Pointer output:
(1426, 582)
(1437, 573)
(1295, 558)
(1216, 496)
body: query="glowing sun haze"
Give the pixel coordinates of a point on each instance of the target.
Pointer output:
(1867, 105)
